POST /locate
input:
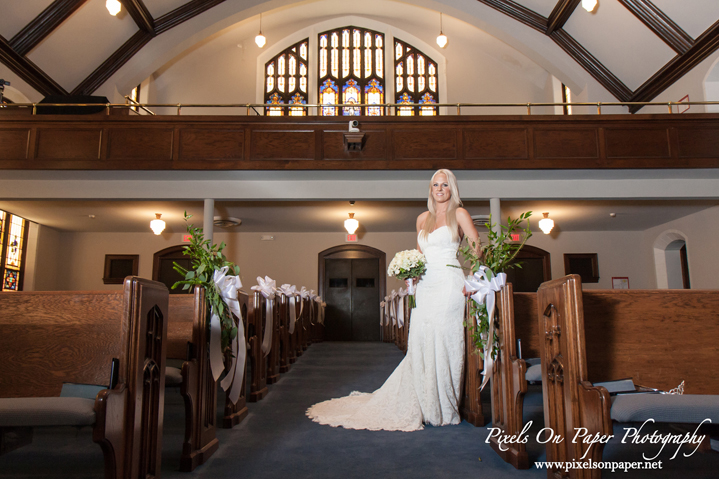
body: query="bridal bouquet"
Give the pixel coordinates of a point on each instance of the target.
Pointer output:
(408, 264)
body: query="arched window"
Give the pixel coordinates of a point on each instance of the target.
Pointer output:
(286, 81)
(415, 80)
(351, 70)
(13, 243)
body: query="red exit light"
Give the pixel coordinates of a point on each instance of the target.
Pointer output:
(186, 238)
(515, 237)
(351, 238)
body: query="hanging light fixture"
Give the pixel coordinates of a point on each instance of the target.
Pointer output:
(351, 224)
(260, 39)
(113, 6)
(546, 224)
(157, 225)
(442, 38)
(589, 5)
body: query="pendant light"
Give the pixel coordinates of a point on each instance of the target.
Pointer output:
(113, 6)
(157, 225)
(351, 224)
(442, 38)
(260, 39)
(546, 224)
(589, 5)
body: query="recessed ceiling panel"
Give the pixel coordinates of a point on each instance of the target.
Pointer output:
(620, 41)
(158, 8)
(16, 14)
(694, 17)
(82, 43)
(542, 7)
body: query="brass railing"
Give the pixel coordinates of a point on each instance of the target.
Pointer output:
(249, 108)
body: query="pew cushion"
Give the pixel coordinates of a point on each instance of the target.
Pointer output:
(534, 373)
(173, 376)
(87, 391)
(685, 408)
(48, 411)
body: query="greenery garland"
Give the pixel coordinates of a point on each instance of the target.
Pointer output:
(206, 259)
(497, 255)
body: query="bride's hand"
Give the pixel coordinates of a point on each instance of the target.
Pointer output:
(465, 293)
(409, 282)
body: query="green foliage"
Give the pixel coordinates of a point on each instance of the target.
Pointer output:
(415, 272)
(206, 259)
(497, 255)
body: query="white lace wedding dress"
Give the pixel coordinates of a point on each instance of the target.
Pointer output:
(426, 386)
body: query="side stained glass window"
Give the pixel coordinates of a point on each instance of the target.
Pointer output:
(286, 81)
(415, 81)
(351, 71)
(13, 243)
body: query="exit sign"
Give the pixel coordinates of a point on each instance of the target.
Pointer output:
(351, 238)
(516, 237)
(186, 238)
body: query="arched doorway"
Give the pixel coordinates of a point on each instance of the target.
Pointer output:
(351, 281)
(162, 263)
(536, 269)
(671, 261)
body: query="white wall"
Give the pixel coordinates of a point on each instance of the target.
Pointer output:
(701, 231)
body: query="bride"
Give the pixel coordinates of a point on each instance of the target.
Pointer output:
(426, 387)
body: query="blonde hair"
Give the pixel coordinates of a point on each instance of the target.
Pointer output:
(454, 203)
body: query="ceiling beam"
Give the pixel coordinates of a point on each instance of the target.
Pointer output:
(519, 13)
(183, 13)
(42, 25)
(593, 66)
(659, 23)
(561, 13)
(139, 13)
(28, 71)
(703, 46)
(112, 64)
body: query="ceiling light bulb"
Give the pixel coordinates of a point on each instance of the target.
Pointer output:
(546, 224)
(113, 6)
(260, 40)
(157, 225)
(589, 5)
(351, 224)
(441, 38)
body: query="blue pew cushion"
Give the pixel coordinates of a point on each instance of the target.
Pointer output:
(534, 373)
(48, 411)
(673, 408)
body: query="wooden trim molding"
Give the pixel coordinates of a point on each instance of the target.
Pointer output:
(182, 14)
(108, 277)
(28, 71)
(139, 13)
(112, 64)
(659, 23)
(519, 13)
(703, 46)
(42, 25)
(593, 66)
(561, 13)
(593, 260)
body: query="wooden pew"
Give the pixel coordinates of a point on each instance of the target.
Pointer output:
(273, 359)
(51, 338)
(235, 413)
(300, 328)
(616, 323)
(284, 336)
(258, 363)
(187, 339)
(471, 405)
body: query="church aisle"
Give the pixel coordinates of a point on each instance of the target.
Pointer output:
(278, 440)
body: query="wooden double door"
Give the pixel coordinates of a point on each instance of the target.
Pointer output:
(351, 286)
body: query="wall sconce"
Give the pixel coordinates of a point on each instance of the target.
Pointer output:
(260, 39)
(157, 225)
(113, 6)
(442, 38)
(351, 224)
(546, 224)
(589, 5)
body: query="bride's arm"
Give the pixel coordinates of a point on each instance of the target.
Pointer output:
(464, 220)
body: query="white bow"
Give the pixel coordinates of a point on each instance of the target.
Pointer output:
(290, 291)
(228, 287)
(400, 306)
(483, 285)
(304, 294)
(381, 311)
(267, 288)
(393, 307)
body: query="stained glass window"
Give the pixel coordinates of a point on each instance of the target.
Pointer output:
(351, 71)
(286, 81)
(415, 80)
(13, 243)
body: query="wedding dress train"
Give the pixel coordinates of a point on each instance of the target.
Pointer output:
(426, 386)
